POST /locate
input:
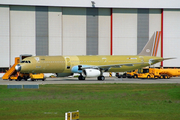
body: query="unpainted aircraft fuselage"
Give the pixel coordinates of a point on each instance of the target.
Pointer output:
(65, 64)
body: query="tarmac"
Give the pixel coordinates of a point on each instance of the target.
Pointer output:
(74, 80)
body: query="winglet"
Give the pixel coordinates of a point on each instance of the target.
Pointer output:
(150, 49)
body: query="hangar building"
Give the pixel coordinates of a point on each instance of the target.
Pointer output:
(87, 27)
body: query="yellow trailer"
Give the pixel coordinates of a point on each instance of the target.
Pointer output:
(37, 76)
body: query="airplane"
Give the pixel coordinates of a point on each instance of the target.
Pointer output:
(90, 65)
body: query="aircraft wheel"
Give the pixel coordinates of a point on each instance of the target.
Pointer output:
(101, 78)
(81, 78)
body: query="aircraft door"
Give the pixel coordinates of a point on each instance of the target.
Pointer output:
(38, 65)
(68, 63)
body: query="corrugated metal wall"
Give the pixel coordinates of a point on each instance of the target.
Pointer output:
(74, 31)
(171, 37)
(55, 30)
(22, 31)
(142, 28)
(124, 31)
(4, 36)
(104, 31)
(92, 31)
(42, 45)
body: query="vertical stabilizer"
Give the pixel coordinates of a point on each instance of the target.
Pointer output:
(151, 47)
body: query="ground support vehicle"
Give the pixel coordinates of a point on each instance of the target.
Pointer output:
(12, 74)
(132, 74)
(19, 76)
(121, 75)
(158, 73)
(37, 76)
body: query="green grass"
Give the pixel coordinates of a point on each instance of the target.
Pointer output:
(95, 102)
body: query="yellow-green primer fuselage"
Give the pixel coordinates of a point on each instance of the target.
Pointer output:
(64, 64)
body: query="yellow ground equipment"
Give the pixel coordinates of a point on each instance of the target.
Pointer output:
(158, 73)
(132, 74)
(37, 76)
(12, 74)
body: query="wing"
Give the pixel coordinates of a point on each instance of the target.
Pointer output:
(105, 67)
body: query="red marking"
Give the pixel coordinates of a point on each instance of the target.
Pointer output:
(162, 36)
(158, 42)
(155, 44)
(111, 47)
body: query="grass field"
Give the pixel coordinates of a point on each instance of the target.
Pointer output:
(95, 102)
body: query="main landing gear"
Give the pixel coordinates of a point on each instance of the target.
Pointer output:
(99, 78)
(81, 77)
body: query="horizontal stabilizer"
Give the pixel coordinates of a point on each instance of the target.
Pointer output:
(153, 61)
(168, 58)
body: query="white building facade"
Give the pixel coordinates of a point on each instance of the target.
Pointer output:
(85, 27)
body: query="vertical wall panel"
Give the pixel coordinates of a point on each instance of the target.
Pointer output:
(171, 40)
(42, 31)
(142, 29)
(22, 22)
(154, 21)
(92, 31)
(104, 32)
(74, 31)
(55, 30)
(4, 36)
(124, 31)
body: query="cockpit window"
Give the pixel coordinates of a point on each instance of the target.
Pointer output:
(25, 61)
(22, 61)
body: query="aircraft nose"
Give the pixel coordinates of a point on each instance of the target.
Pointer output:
(18, 67)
